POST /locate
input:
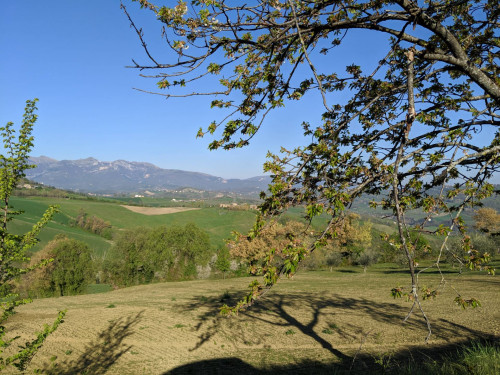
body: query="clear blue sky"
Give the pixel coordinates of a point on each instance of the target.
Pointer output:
(72, 55)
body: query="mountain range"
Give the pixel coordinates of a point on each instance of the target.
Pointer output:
(102, 177)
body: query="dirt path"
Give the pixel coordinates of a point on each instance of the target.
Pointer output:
(158, 210)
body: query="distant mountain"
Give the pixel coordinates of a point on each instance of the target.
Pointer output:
(120, 176)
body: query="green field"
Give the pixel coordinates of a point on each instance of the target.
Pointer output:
(217, 222)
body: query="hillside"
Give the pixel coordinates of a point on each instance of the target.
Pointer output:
(317, 323)
(219, 223)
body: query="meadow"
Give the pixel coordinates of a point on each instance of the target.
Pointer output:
(343, 321)
(219, 223)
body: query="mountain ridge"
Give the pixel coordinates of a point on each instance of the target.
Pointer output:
(121, 176)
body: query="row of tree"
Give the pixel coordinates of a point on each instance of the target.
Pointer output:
(358, 242)
(93, 224)
(145, 255)
(138, 256)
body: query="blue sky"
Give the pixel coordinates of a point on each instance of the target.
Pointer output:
(72, 55)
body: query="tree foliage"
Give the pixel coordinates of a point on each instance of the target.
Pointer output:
(143, 255)
(275, 236)
(14, 247)
(93, 224)
(417, 244)
(421, 117)
(487, 220)
(68, 273)
(223, 261)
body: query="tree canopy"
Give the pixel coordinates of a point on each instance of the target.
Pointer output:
(487, 220)
(142, 255)
(417, 126)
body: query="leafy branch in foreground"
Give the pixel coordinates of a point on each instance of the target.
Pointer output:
(417, 126)
(13, 247)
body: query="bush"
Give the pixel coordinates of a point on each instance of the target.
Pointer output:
(391, 248)
(69, 273)
(144, 255)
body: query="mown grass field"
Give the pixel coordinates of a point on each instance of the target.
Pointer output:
(343, 321)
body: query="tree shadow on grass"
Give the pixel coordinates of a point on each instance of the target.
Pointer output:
(281, 310)
(431, 271)
(420, 360)
(101, 353)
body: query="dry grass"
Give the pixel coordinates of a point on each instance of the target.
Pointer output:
(316, 322)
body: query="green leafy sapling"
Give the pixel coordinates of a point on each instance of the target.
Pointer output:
(14, 247)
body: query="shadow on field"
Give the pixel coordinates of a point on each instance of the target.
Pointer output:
(431, 271)
(345, 271)
(303, 313)
(101, 353)
(426, 360)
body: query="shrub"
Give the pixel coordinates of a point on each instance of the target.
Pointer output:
(68, 273)
(144, 255)
(418, 245)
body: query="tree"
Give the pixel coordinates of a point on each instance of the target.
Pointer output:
(487, 220)
(417, 245)
(68, 273)
(223, 262)
(279, 237)
(406, 126)
(14, 248)
(367, 258)
(142, 255)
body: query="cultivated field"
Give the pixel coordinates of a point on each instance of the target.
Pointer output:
(318, 322)
(158, 210)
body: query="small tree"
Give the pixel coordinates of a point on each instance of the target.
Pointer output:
(223, 262)
(367, 258)
(14, 248)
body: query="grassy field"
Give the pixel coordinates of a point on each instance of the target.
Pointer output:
(318, 322)
(217, 222)
(34, 209)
